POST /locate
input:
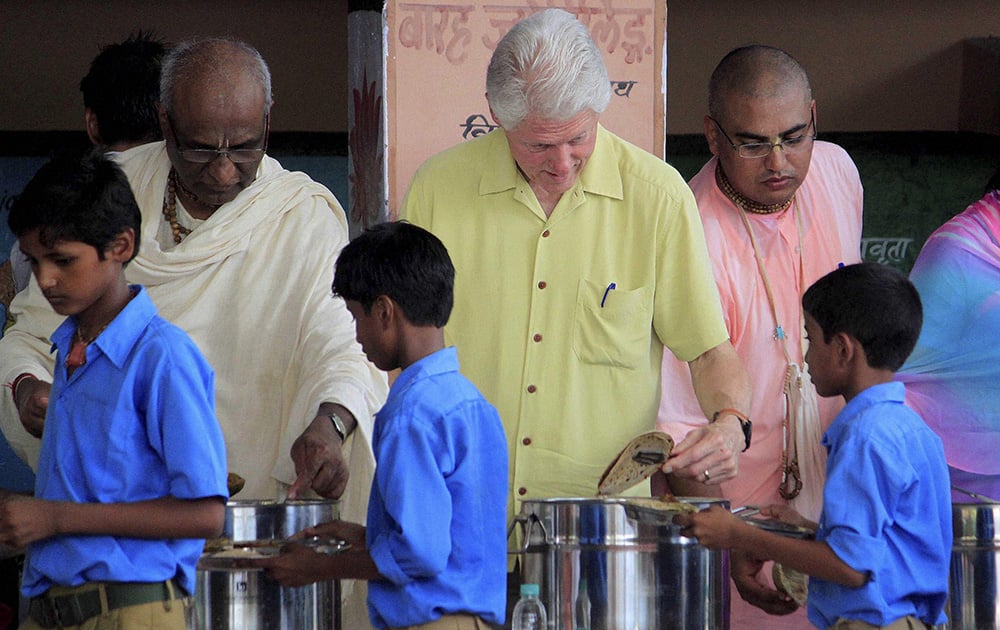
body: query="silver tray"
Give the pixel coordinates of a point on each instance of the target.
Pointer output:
(242, 555)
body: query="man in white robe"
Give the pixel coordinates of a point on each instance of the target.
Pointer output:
(240, 254)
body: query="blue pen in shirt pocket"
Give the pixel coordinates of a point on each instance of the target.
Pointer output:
(610, 288)
(613, 324)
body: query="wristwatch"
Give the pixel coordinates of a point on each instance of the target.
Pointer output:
(745, 423)
(338, 426)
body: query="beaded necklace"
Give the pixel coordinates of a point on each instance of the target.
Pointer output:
(749, 205)
(170, 208)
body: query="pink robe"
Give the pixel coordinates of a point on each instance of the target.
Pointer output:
(830, 203)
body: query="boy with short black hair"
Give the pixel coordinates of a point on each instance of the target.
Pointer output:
(121, 90)
(434, 550)
(132, 472)
(883, 544)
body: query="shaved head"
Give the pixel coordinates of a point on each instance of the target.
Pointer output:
(754, 72)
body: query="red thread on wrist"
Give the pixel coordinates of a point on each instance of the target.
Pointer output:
(17, 381)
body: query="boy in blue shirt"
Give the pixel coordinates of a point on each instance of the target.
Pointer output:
(132, 472)
(434, 550)
(883, 544)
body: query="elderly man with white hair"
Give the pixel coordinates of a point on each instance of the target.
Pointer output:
(578, 257)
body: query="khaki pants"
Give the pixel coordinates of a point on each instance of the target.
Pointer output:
(903, 623)
(452, 622)
(161, 615)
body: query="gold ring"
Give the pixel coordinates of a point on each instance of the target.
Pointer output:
(707, 475)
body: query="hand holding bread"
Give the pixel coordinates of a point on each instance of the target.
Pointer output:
(642, 456)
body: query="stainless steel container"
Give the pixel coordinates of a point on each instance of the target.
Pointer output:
(974, 603)
(275, 520)
(246, 599)
(608, 563)
(228, 595)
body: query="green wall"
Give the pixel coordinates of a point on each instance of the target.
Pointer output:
(913, 182)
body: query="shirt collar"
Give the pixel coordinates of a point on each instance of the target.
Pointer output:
(893, 392)
(115, 341)
(444, 360)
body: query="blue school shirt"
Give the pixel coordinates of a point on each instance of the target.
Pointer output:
(136, 422)
(886, 512)
(437, 511)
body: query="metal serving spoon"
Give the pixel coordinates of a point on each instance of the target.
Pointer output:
(978, 497)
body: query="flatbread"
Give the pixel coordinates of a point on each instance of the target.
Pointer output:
(624, 472)
(791, 582)
(235, 483)
(213, 545)
(667, 503)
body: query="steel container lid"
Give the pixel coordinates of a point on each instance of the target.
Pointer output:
(267, 519)
(604, 520)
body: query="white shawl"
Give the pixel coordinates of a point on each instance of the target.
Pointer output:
(251, 286)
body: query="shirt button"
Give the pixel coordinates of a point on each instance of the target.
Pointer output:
(532, 389)
(537, 338)
(526, 441)
(541, 285)
(522, 491)
(545, 234)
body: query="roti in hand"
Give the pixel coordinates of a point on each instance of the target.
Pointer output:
(235, 483)
(641, 457)
(791, 582)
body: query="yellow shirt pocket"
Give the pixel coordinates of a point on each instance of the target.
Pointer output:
(612, 325)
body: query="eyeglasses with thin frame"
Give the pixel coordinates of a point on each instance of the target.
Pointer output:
(755, 150)
(207, 156)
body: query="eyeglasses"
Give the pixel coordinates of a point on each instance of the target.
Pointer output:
(752, 150)
(207, 156)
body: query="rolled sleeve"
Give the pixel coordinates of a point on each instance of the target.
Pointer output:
(416, 541)
(855, 499)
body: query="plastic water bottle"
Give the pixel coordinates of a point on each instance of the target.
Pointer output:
(529, 612)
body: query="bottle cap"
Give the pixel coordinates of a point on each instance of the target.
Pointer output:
(529, 590)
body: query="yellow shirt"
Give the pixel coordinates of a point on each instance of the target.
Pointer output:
(561, 321)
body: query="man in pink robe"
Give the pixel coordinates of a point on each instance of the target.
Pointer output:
(780, 210)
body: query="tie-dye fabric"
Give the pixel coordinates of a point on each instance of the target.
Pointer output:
(953, 376)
